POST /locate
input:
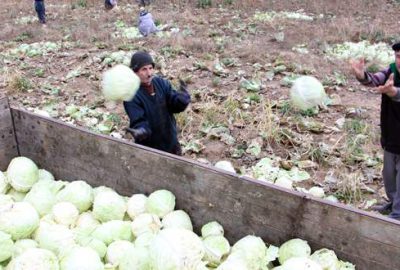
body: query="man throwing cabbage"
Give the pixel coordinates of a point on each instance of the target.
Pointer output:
(387, 83)
(151, 111)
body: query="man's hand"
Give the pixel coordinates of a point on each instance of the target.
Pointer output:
(358, 68)
(183, 86)
(139, 134)
(388, 88)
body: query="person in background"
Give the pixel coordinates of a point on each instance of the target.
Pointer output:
(387, 83)
(146, 23)
(110, 4)
(151, 111)
(41, 11)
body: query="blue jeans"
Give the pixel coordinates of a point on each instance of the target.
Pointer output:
(41, 11)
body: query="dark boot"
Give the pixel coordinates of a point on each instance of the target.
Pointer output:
(384, 208)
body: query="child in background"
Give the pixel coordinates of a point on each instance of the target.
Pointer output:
(146, 23)
(41, 11)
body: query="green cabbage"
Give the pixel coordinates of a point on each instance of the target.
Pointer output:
(326, 259)
(65, 213)
(3, 183)
(177, 219)
(160, 203)
(6, 246)
(20, 220)
(216, 248)
(108, 205)
(120, 83)
(82, 258)
(307, 92)
(22, 173)
(212, 228)
(113, 230)
(42, 196)
(117, 250)
(22, 245)
(35, 258)
(145, 223)
(136, 259)
(294, 248)
(79, 193)
(136, 205)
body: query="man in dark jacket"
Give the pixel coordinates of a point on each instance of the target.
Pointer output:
(387, 83)
(151, 111)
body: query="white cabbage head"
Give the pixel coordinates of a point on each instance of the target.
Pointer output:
(82, 258)
(78, 193)
(45, 175)
(160, 203)
(119, 83)
(35, 259)
(22, 245)
(293, 248)
(136, 259)
(42, 196)
(145, 223)
(301, 263)
(136, 205)
(117, 250)
(65, 213)
(325, 258)
(54, 237)
(20, 220)
(113, 230)
(22, 173)
(108, 205)
(252, 249)
(176, 249)
(3, 183)
(212, 228)
(177, 219)
(307, 92)
(216, 248)
(6, 246)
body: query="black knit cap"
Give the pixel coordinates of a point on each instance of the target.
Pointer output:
(396, 46)
(140, 59)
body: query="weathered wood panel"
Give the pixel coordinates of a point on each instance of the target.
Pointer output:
(244, 206)
(8, 145)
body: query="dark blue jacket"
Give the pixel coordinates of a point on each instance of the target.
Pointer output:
(155, 114)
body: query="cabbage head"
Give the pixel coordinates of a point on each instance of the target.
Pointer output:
(3, 183)
(301, 263)
(42, 197)
(22, 173)
(82, 258)
(113, 230)
(20, 221)
(6, 246)
(78, 193)
(325, 258)
(145, 223)
(216, 248)
(212, 228)
(136, 205)
(117, 250)
(108, 205)
(136, 259)
(160, 203)
(22, 245)
(35, 258)
(307, 92)
(119, 83)
(176, 249)
(294, 248)
(177, 219)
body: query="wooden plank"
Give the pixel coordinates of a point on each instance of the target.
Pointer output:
(242, 205)
(8, 145)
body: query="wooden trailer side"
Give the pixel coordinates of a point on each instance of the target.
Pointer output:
(244, 206)
(8, 145)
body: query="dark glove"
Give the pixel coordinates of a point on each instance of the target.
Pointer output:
(183, 86)
(139, 134)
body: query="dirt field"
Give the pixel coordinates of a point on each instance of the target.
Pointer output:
(239, 69)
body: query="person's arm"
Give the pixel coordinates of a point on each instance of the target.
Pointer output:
(389, 89)
(177, 101)
(368, 78)
(138, 125)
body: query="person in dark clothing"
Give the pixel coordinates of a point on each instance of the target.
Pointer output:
(110, 4)
(151, 111)
(41, 11)
(387, 83)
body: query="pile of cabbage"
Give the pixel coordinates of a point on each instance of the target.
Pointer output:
(35, 49)
(380, 53)
(271, 15)
(50, 224)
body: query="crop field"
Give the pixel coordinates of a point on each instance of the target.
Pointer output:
(239, 59)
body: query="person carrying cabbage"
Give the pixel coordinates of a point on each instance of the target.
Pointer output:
(151, 111)
(387, 83)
